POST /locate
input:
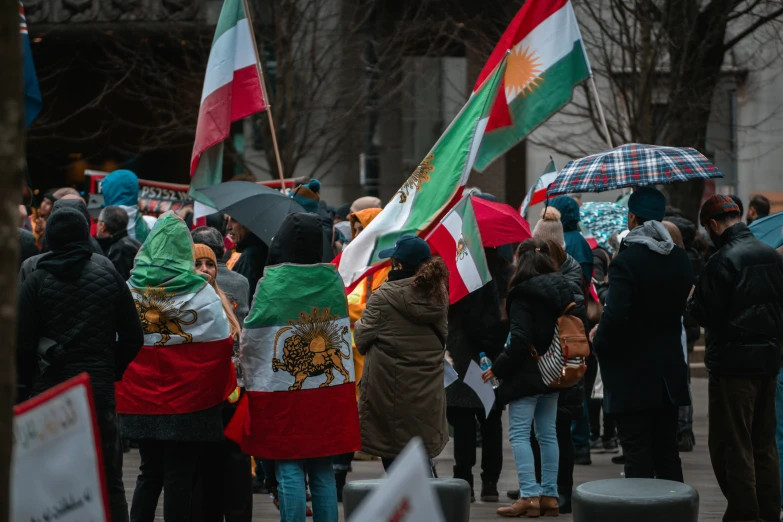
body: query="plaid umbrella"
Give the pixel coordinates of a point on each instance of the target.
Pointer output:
(632, 165)
(603, 219)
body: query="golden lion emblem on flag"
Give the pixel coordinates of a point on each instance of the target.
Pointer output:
(462, 248)
(313, 349)
(159, 314)
(420, 176)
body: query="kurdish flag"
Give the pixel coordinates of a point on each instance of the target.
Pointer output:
(232, 91)
(547, 61)
(458, 241)
(298, 366)
(432, 188)
(185, 364)
(537, 192)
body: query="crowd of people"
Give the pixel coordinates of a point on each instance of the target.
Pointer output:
(100, 295)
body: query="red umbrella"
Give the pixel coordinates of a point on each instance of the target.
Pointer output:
(499, 224)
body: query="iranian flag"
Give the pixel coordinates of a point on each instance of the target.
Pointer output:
(232, 91)
(435, 185)
(547, 61)
(458, 241)
(298, 367)
(537, 192)
(185, 364)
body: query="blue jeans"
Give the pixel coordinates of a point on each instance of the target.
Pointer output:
(779, 430)
(291, 491)
(521, 414)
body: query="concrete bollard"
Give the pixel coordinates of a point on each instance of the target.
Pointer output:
(638, 500)
(453, 495)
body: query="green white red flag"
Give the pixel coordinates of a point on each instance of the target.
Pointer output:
(458, 241)
(232, 91)
(547, 61)
(298, 366)
(537, 193)
(435, 185)
(185, 364)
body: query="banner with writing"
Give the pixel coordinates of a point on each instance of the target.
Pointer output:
(55, 434)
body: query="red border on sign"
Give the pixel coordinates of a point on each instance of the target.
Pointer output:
(83, 379)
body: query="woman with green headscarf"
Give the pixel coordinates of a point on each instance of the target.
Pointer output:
(170, 398)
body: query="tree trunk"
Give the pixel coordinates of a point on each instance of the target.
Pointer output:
(11, 165)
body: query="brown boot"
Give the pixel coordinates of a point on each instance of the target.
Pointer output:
(527, 507)
(549, 507)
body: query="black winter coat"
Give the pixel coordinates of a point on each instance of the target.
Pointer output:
(475, 326)
(121, 249)
(639, 338)
(739, 300)
(252, 261)
(533, 308)
(93, 320)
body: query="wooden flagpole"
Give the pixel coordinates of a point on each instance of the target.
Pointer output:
(266, 98)
(601, 113)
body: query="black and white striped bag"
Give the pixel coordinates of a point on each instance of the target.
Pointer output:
(563, 364)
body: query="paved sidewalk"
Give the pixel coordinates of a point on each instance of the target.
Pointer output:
(697, 467)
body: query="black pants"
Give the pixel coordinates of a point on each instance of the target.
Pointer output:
(742, 446)
(594, 407)
(463, 420)
(224, 486)
(170, 466)
(108, 426)
(649, 440)
(565, 466)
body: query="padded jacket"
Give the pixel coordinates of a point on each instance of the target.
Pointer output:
(533, 308)
(738, 300)
(92, 319)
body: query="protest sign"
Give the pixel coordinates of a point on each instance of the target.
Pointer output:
(57, 470)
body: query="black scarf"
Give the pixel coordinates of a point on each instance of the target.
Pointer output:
(68, 262)
(402, 273)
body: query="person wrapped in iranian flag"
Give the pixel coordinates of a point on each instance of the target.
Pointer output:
(171, 396)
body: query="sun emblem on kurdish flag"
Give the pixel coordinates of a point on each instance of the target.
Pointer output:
(160, 315)
(420, 176)
(315, 348)
(522, 72)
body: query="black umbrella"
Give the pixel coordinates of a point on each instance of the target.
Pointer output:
(259, 208)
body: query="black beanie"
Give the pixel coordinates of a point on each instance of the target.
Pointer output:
(76, 204)
(66, 226)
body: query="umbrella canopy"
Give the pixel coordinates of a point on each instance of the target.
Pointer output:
(632, 165)
(768, 230)
(603, 219)
(499, 224)
(259, 208)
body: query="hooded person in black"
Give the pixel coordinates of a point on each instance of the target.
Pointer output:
(297, 241)
(254, 253)
(77, 315)
(76, 204)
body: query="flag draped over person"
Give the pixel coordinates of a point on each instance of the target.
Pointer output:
(185, 364)
(432, 188)
(458, 241)
(232, 91)
(32, 93)
(547, 61)
(298, 367)
(537, 193)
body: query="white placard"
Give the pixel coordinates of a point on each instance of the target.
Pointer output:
(56, 474)
(483, 389)
(406, 494)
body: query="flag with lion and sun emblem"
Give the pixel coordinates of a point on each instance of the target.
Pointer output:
(186, 363)
(298, 367)
(458, 241)
(433, 187)
(547, 60)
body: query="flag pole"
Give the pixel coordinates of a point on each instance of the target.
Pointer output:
(600, 112)
(266, 99)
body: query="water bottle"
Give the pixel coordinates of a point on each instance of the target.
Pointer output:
(486, 364)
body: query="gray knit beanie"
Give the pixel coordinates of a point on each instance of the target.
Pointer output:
(549, 226)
